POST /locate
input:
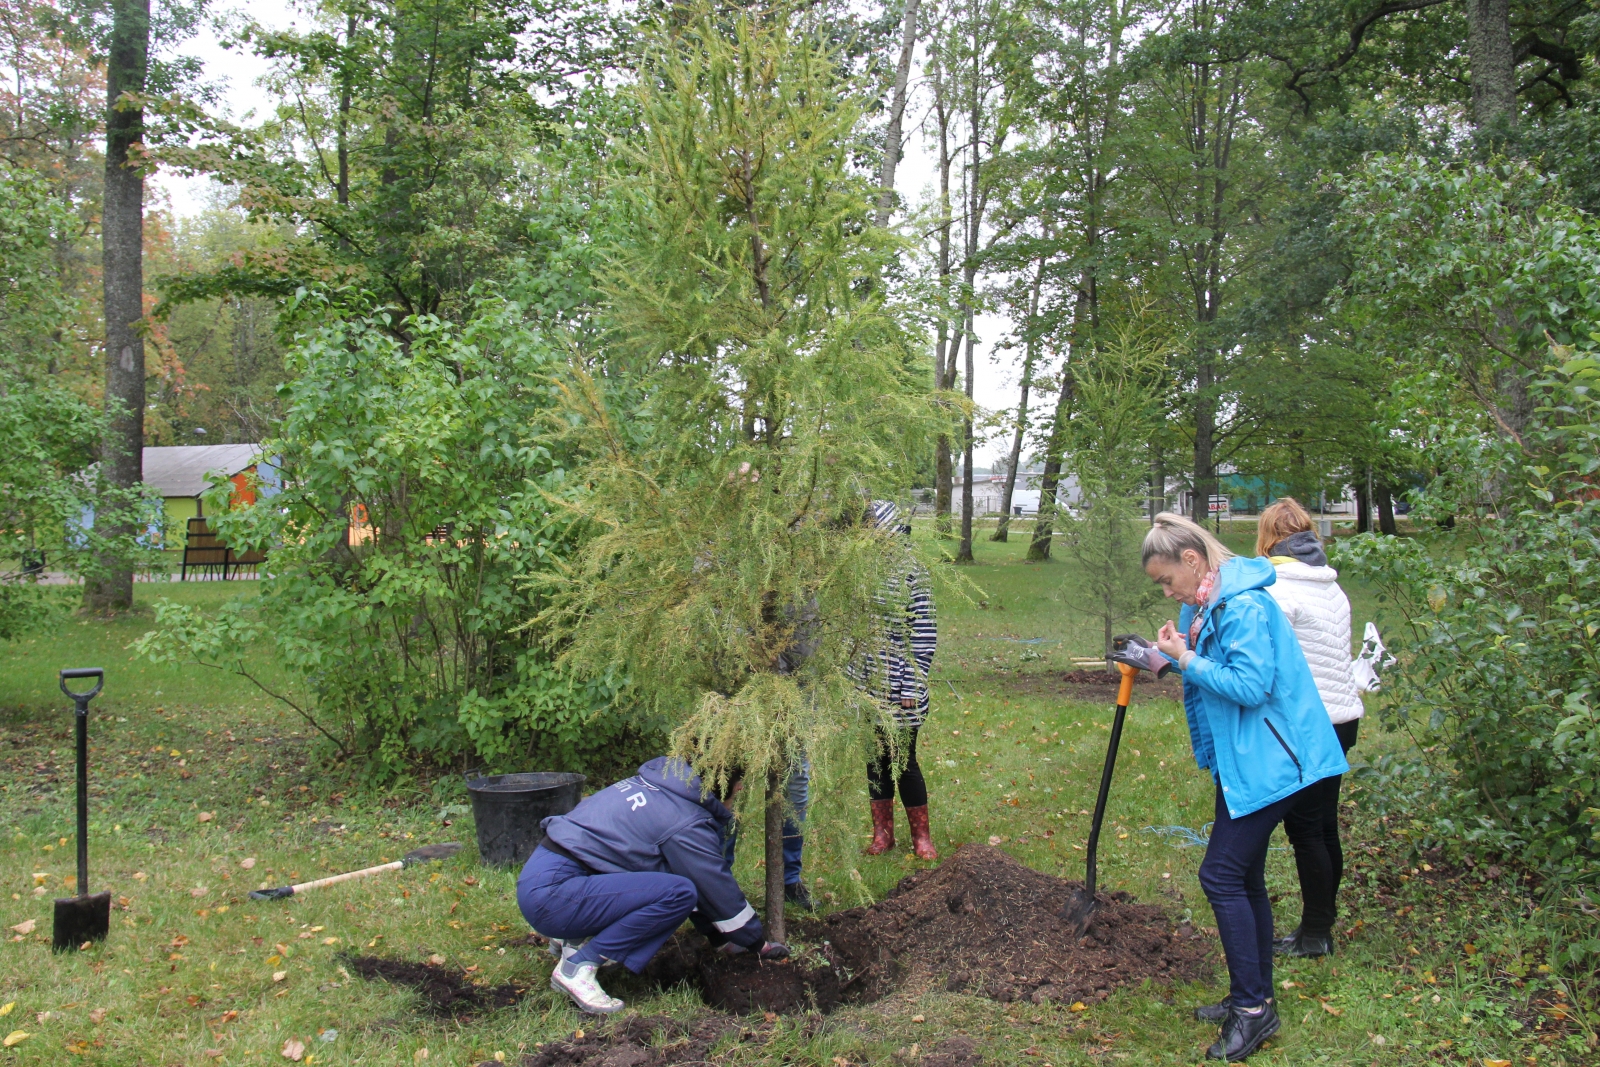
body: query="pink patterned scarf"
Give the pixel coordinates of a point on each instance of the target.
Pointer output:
(1202, 597)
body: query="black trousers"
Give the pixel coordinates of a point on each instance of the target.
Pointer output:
(1312, 824)
(880, 772)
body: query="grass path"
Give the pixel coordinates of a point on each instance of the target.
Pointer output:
(203, 790)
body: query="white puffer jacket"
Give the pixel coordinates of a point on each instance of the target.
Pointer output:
(1319, 612)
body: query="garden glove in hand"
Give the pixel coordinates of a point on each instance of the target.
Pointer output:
(774, 950)
(1135, 651)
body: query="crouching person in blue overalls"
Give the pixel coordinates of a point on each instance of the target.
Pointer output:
(614, 878)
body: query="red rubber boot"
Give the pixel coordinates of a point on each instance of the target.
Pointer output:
(921, 837)
(882, 827)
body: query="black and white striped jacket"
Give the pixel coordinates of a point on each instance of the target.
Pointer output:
(909, 636)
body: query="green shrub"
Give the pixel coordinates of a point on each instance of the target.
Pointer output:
(416, 504)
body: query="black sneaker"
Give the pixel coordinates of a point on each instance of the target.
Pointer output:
(1215, 1013)
(1280, 947)
(797, 894)
(1306, 946)
(1243, 1033)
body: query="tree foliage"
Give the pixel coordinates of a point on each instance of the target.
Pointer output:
(734, 419)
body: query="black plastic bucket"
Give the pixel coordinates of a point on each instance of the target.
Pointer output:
(509, 807)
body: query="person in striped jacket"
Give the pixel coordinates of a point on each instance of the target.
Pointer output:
(897, 675)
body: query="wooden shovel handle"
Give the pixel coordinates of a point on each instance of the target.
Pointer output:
(334, 879)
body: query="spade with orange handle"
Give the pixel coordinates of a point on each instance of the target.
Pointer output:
(1131, 654)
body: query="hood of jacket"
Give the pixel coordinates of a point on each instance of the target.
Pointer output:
(1302, 546)
(1241, 573)
(674, 776)
(1294, 570)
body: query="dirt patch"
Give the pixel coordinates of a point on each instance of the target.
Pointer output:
(445, 990)
(983, 923)
(640, 1041)
(1092, 686)
(744, 984)
(659, 1041)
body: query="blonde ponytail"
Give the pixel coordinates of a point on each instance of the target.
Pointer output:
(1172, 535)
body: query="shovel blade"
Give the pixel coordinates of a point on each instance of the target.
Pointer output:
(1077, 912)
(81, 919)
(429, 853)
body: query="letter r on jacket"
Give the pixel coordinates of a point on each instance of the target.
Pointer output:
(637, 800)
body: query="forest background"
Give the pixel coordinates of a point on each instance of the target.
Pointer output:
(1321, 244)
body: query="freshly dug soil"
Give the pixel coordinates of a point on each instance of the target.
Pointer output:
(638, 1041)
(1093, 686)
(744, 984)
(445, 990)
(659, 1041)
(983, 923)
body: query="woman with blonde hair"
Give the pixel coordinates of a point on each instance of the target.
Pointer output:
(1308, 591)
(1257, 724)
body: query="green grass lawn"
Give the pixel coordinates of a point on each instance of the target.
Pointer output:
(203, 790)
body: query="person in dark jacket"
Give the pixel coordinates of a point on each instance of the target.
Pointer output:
(614, 877)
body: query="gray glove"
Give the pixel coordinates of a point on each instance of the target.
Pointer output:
(774, 950)
(1135, 651)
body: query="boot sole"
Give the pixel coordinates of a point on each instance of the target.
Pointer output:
(1252, 1048)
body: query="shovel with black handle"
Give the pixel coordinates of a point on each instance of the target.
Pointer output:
(1131, 654)
(83, 918)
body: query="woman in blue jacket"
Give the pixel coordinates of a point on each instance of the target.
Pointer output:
(1258, 725)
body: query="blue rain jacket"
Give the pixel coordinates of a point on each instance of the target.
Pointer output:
(1255, 718)
(658, 820)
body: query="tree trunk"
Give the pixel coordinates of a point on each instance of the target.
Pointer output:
(1492, 65)
(774, 854)
(1039, 546)
(1002, 529)
(1364, 504)
(1205, 431)
(897, 110)
(1385, 508)
(944, 356)
(964, 553)
(122, 242)
(1158, 482)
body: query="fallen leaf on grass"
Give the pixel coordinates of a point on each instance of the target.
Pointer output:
(248, 862)
(1331, 1010)
(1496, 1063)
(420, 1055)
(330, 941)
(97, 1016)
(278, 976)
(205, 816)
(198, 891)
(26, 926)
(214, 1053)
(6, 1009)
(1078, 1005)
(435, 960)
(994, 839)
(293, 1050)
(15, 1037)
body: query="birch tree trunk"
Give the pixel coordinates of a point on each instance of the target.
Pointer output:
(1002, 529)
(897, 109)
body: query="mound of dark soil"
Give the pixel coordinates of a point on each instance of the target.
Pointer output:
(983, 923)
(744, 984)
(659, 1041)
(445, 990)
(638, 1041)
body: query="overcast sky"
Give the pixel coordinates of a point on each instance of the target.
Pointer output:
(236, 73)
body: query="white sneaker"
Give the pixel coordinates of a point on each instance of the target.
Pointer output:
(584, 989)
